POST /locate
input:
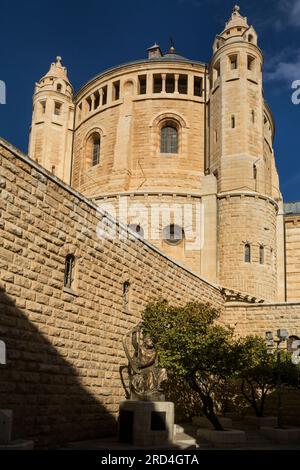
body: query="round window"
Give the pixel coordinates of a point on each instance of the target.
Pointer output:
(173, 234)
(137, 229)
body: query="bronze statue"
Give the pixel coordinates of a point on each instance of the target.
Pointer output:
(145, 377)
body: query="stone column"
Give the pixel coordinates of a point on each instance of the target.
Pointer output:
(163, 89)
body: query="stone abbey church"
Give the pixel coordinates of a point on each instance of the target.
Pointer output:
(164, 131)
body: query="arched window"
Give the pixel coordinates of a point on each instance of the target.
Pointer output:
(59, 87)
(247, 254)
(173, 234)
(169, 138)
(69, 271)
(261, 254)
(250, 38)
(93, 149)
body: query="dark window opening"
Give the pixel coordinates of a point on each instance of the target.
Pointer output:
(170, 83)
(89, 103)
(57, 108)
(197, 86)
(247, 255)
(233, 62)
(97, 100)
(183, 84)
(157, 83)
(126, 292)
(250, 63)
(142, 84)
(59, 87)
(261, 255)
(69, 271)
(116, 90)
(254, 172)
(233, 122)
(104, 96)
(43, 106)
(173, 234)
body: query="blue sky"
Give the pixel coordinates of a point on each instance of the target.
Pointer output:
(94, 35)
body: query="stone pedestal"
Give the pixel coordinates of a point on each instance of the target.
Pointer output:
(146, 423)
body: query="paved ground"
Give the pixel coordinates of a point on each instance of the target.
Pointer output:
(186, 439)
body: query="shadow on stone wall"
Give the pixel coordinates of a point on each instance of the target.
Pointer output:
(49, 403)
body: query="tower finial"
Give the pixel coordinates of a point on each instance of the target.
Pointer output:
(172, 46)
(236, 9)
(58, 60)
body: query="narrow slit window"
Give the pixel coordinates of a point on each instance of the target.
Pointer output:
(254, 172)
(198, 86)
(247, 253)
(69, 271)
(157, 83)
(126, 293)
(142, 84)
(233, 122)
(253, 116)
(261, 254)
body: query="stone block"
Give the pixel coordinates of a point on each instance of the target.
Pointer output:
(146, 423)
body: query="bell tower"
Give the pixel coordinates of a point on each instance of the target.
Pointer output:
(246, 209)
(50, 142)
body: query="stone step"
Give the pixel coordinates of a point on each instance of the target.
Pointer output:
(184, 441)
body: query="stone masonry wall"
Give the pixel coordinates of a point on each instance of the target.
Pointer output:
(64, 348)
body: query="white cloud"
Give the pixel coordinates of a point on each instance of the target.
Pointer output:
(285, 67)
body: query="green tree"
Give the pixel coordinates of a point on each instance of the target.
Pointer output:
(192, 346)
(259, 371)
